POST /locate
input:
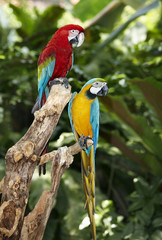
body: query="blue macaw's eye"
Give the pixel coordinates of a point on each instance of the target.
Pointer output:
(97, 84)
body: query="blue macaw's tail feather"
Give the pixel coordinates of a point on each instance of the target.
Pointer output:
(87, 150)
(88, 175)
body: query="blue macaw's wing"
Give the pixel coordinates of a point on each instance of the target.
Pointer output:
(69, 111)
(94, 120)
(45, 71)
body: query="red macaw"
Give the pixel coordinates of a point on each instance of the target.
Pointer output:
(56, 60)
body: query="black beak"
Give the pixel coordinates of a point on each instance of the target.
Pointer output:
(74, 40)
(104, 91)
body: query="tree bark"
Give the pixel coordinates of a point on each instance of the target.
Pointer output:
(21, 161)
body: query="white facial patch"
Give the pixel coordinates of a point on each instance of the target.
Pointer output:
(95, 90)
(72, 34)
(75, 34)
(96, 87)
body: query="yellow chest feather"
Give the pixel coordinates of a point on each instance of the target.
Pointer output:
(80, 113)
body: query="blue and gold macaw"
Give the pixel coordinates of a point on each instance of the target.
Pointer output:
(83, 112)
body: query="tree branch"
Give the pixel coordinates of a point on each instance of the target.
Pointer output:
(35, 222)
(22, 159)
(74, 149)
(1, 185)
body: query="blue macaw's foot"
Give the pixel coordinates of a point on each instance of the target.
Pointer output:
(57, 81)
(83, 142)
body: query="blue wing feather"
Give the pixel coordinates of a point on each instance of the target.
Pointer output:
(94, 120)
(69, 111)
(45, 75)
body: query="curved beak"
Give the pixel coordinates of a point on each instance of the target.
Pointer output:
(80, 37)
(104, 90)
(78, 40)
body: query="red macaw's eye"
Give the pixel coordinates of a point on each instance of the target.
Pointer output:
(73, 33)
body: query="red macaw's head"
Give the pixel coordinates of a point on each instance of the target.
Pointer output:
(69, 34)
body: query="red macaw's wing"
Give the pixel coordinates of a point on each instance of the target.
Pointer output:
(45, 71)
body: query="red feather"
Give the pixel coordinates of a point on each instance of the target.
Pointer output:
(59, 47)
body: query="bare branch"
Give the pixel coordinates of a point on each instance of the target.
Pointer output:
(22, 159)
(74, 149)
(35, 223)
(1, 185)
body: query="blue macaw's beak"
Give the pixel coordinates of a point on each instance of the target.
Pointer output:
(104, 90)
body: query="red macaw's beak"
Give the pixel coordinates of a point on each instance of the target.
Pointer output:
(78, 40)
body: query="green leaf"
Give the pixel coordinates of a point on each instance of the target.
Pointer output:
(128, 230)
(26, 20)
(51, 15)
(136, 4)
(117, 106)
(51, 228)
(87, 9)
(108, 16)
(157, 222)
(152, 90)
(156, 235)
(119, 30)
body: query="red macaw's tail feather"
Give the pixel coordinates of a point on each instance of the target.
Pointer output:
(88, 175)
(43, 100)
(43, 165)
(36, 106)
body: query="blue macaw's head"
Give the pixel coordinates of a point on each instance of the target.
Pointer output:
(97, 87)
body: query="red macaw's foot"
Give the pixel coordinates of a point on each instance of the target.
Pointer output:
(83, 142)
(44, 169)
(57, 81)
(43, 166)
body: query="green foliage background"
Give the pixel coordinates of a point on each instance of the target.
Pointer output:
(123, 46)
